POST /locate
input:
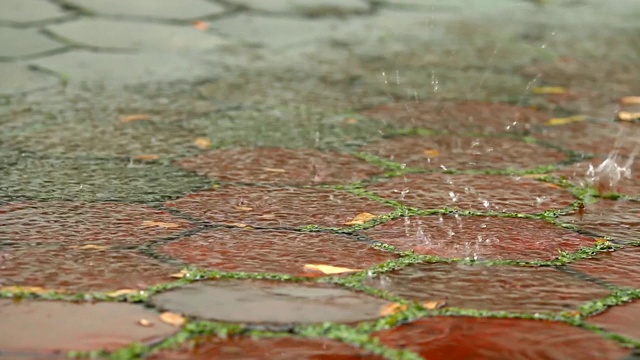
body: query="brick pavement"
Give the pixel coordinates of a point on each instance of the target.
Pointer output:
(306, 179)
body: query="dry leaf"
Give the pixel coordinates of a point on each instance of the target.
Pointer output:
(238, 225)
(145, 322)
(433, 305)
(328, 269)
(361, 219)
(549, 90)
(179, 275)
(274, 170)
(552, 185)
(392, 308)
(91, 247)
(566, 120)
(351, 121)
(160, 224)
(135, 117)
(122, 292)
(200, 25)
(243, 208)
(431, 152)
(147, 157)
(202, 142)
(31, 289)
(628, 116)
(602, 241)
(172, 318)
(630, 100)
(533, 176)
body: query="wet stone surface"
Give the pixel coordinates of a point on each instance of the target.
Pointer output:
(58, 327)
(619, 268)
(26, 11)
(17, 78)
(17, 43)
(464, 153)
(280, 166)
(262, 206)
(619, 220)
(499, 339)
(612, 174)
(497, 193)
(155, 9)
(273, 251)
(306, 7)
(250, 301)
(481, 238)
(499, 288)
(621, 320)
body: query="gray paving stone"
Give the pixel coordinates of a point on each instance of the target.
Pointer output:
(157, 9)
(24, 11)
(308, 7)
(134, 35)
(15, 43)
(18, 78)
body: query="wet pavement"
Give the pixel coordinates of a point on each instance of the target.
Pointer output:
(306, 179)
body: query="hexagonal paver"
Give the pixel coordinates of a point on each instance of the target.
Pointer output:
(280, 166)
(18, 78)
(270, 302)
(277, 207)
(58, 327)
(508, 288)
(282, 348)
(474, 192)
(80, 268)
(482, 238)
(307, 7)
(156, 9)
(25, 11)
(620, 319)
(135, 35)
(619, 220)
(619, 267)
(463, 153)
(463, 117)
(82, 224)
(16, 43)
(499, 339)
(273, 251)
(614, 173)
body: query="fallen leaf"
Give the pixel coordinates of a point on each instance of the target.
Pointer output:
(238, 225)
(274, 170)
(533, 176)
(572, 313)
(202, 142)
(328, 269)
(602, 241)
(30, 289)
(172, 319)
(391, 309)
(351, 121)
(200, 25)
(361, 219)
(122, 292)
(243, 208)
(433, 305)
(145, 322)
(566, 120)
(431, 152)
(552, 185)
(630, 100)
(549, 90)
(160, 224)
(628, 116)
(147, 157)
(90, 247)
(179, 275)
(134, 117)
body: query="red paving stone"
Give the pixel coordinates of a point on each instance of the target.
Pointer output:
(479, 237)
(621, 319)
(616, 219)
(508, 288)
(498, 193)
(80, 224)
(54, 327)
(252, 301)
(285, 348)
(471, 116)
(619, 267)
(277, 207)
(497, 339)
(464, 153)
(280, 166)
(273, 251)
(80, 269)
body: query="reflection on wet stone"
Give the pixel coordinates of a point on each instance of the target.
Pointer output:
(622, 320)
(619, 267)
(619, 220)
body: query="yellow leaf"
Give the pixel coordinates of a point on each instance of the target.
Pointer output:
(172, 319)
(566, 120)
(160, 224)
(392, 308)
(145, 322)
(361, 219)
(29, 289)
(135, 117)
(179, 275)
(431, 152)
(533, 176)
(549, 90)
(328, 269)
(147, 157)
(122, 292)
(200, 25)
(628, 116)
(202, 142)
(243, 208)
(351, 121)
(434, 304)
(90, 247)
(602, 241)
(239, 225)
(630, 100)
(274, 170)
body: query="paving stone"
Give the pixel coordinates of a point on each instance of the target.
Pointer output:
(18, 78)
(135, 35)
(464, 153)
(82, 224)
(16, 43)
(156, 9)
(307, 7)
(483, 238)
(54, 327)
(24, 11)
(249, 301)
(497, 288)
(614, 173)
(264, 206)
(496, 339)
(619, 267)
(619, 220)
(282, 348)
(82, 268)
(280, 166)
(461, 117)
(273, 251)
(620, 319)
(498, 193)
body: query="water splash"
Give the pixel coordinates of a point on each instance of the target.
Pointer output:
(606, 176)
